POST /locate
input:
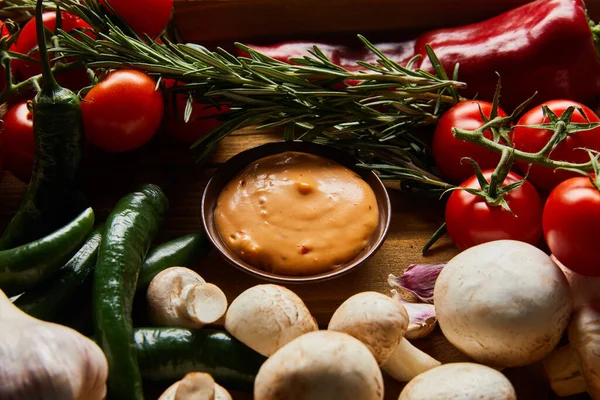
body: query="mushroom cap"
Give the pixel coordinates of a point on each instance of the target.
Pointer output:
(584, 338)
(373, 318)
(266, 317)
(321, 365)
(503, 303)
(196, 386)
(459, 381)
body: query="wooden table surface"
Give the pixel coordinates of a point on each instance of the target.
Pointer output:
(106, 177)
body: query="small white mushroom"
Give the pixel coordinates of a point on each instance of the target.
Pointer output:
(459, 381)
(266, 317)
(575, 368)
(179, 297)
(380, 322)
(196, 386)
(321, 365)
(584, 289)
(503, 303)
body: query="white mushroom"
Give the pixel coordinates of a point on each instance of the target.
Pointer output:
(584, 289)
(575, 368)
(459, 381)
(179, 297)
(380, 322)
(196, 386)
(266, 317)
(503, 303)
(322, 365)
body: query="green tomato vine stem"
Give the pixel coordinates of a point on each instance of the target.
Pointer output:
(541, 157)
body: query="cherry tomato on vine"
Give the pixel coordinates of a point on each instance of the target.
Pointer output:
(198, 125)
(570, 221)
(449, 151)
(27, 41)
(471, 221)
(122, 112)
(533, 140)
(143, 16)
(16, 141)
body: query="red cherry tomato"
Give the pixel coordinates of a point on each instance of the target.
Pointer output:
(143, 16)
(197, 126)
(449, 151)
(122, 112)
(27, 40)
(471, 221)
(571, 219)
(16, 141)
(533, 140)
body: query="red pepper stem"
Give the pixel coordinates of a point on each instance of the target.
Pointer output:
(499, 175)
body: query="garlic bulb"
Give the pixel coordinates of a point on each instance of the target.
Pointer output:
(46, 361)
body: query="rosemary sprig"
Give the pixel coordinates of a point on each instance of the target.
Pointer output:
(377, 120)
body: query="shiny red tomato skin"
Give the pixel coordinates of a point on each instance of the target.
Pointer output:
(471, 221)
(27, 39)
(122, 112)
(570, 221)
(533, 140)
(143, 16)
(174, 123)
(17, 142)
(449, 151)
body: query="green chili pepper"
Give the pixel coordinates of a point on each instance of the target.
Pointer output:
(51, 199)
(167, 354)
(130, 230)
(181, 252)
(26, 266)
(46, 301)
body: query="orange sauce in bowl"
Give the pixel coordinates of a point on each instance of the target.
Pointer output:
(296, 214)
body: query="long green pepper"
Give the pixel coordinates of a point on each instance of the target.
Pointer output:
(129, 232)
(51, 199)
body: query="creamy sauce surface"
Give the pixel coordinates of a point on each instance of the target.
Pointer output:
(296, 214)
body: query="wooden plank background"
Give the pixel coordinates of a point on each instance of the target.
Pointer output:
(264, 20)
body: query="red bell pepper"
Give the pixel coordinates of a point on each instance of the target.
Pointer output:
(546, 46)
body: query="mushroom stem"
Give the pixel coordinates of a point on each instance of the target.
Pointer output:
(407, 361)
(179, 297)
(204, 303)
(563, 371)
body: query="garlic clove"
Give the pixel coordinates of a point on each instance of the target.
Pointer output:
(422, 318)
(417, 281)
